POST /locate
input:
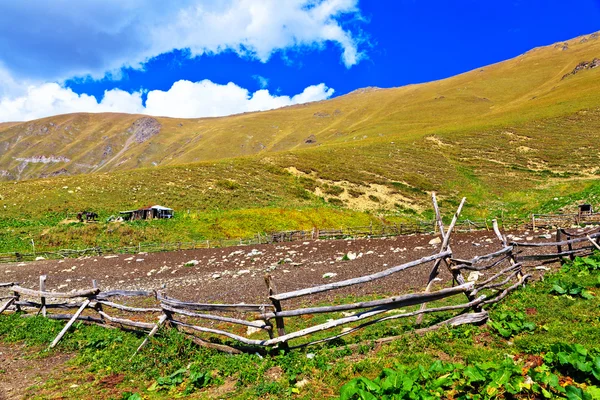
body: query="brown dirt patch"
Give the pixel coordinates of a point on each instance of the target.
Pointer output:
(20, 369)
(274, 373)
(112, 381)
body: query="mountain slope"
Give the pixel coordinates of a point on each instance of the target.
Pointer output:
(532, 86)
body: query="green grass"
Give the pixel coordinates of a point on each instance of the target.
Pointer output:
(172, 365)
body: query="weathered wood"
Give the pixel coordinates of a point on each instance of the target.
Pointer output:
(362, 279)
(220, 347)
(33, 304)
(498, 284)
(128, 308)
(5, 306)
(161, 321)
(254, 324)
(397, 316)
(507, 290)
(445, 246)
(477, 259)
(396, 301)
(8, 284)
(56, 295)
(499, 274)
(470, 267)
(555, 244)
(279, 321)
(233, 336)
(125, 293)
(596, 245)
(126, 322)
(551, 256)
(71, 321)
(43, 299)
(256, 308)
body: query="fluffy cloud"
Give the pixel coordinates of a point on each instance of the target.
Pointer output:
(184, 99)
(55, 40)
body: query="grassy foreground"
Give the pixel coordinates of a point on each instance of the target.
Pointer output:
(542, 342)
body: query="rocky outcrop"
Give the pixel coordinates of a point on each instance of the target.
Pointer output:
(43, 159)
(144, 128)
(582, 66)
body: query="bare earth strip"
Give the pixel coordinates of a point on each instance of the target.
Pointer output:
(236, 274)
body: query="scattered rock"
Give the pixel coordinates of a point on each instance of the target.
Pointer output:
(39, 258)
(191, 263)
(474, 276)
(328, 275)
(252, 330)
(436, 240)
(144, 128)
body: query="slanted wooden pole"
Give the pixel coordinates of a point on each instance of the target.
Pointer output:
(161, 321)
(502, 238)
(596, 245)
(5, 306)
(71, 321)
(445, 247)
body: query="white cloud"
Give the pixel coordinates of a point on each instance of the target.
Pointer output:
(56, 40)
(184, 99)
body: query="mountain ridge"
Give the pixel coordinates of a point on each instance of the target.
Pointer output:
(523, 88)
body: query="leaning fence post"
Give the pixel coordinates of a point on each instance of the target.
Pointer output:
(71, 321)
(42, 298)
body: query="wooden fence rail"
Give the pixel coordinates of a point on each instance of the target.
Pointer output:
(205, 322)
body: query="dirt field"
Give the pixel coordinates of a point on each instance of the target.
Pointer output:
(236, 274)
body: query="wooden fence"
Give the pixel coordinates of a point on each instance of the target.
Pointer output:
(267, 325)
(564, 220)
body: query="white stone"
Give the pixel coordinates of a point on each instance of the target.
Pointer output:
(243, 271)
(192, 263)
(436, 240)
(474, 276)
(329, 275)
(39, 258)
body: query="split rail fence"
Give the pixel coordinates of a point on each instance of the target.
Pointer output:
(262, 327)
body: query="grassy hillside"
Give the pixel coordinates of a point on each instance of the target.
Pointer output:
(518, 90)
(515, 137)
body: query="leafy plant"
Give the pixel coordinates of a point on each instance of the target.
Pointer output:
(562, 288)
(575, 360)
(453, 380)
(510, 324)
(181, 379)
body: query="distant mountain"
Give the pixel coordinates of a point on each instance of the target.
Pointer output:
(544, 82)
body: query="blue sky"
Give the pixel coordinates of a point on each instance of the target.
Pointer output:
(206, 57)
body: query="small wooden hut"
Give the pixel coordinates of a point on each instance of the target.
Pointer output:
(149, 212)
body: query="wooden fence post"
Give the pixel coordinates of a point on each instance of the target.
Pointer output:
(42, 298)
(277, 304)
